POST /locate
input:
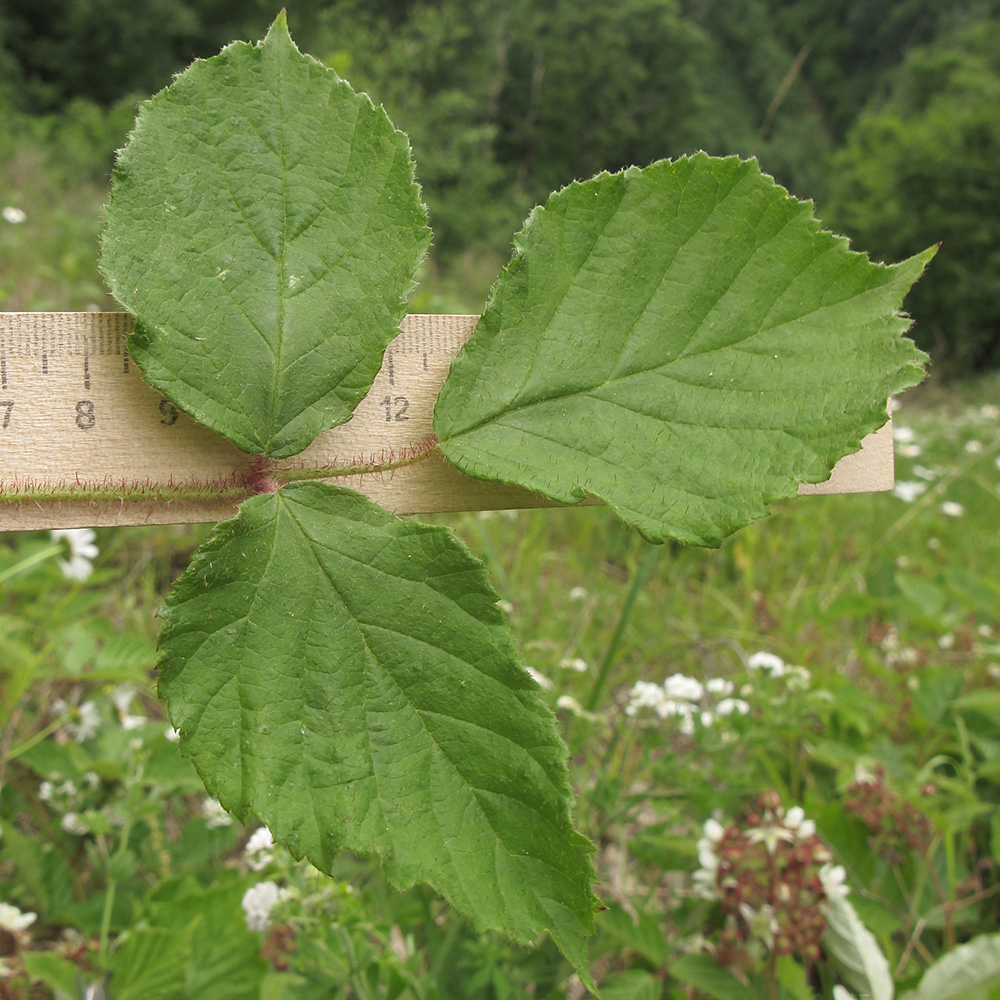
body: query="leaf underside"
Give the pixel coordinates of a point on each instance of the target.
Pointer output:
(348, 678)
(681, 341)
(264, 228)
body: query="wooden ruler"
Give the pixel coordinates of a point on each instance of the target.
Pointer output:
(76, 416)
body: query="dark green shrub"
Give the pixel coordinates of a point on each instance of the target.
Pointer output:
(921, 168)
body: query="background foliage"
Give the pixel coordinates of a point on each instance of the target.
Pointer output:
(883, 113)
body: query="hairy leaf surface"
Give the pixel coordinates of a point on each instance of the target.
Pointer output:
(682, 342)
(348, 678)
(264, 228)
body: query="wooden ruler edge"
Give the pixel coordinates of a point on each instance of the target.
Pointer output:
(430, 486)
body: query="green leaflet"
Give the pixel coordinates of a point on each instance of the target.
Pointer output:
(348, 678)
(682, 342)
(264, 228)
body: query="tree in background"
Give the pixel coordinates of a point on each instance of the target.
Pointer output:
(920, 167)
(101, 50)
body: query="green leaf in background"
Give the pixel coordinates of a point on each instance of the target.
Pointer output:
(709, 977)
(348, 678)
(681, 341)
(969, 972)
(856, 952)
(264, 228)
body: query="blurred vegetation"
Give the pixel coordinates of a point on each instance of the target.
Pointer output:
(882, 113)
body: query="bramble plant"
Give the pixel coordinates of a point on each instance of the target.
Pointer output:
(682, 342)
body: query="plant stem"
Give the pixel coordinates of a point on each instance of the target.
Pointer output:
(638, 581)
(263, 475)
(32, 560)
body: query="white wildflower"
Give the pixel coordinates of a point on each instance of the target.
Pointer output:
(14, 920)
(910, 450)
(952, 509)
(762, 924)
(578, 594)
(258, 902)
(796, 821)
(539, 678)
(713, 831)
(863, 776)
(922, 472)
(45, 791)
(903, 435)
(682, 686)
(729, 706)
(989, 411)
(669, 708)
(215, 815)
(973, 447)
(833, 878)
(83, 720)
(82, 552)
(568, 703)
(705, 877)
(172, 735)
(506, 607)
(770, 835)
(258, 849)
(72, 823)
(719, 685)
(644, 694)
(947, 641)
(574, 663)
(774, 665)
(122, 697)
(908, 490)
(13, 215)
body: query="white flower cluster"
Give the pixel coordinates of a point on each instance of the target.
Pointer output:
(788, 828)
(258, 849)
(215, 816)
(258, 902)
(775, 666)
(686, 699)
(66, 797)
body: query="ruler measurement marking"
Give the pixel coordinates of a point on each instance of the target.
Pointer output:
(116, 443)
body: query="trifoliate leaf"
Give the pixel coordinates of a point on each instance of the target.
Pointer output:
(264, 228)
(348, 678)
(682, 342)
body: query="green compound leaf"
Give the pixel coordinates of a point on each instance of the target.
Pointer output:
(264, 228)
(348, 678)
(682, 342)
